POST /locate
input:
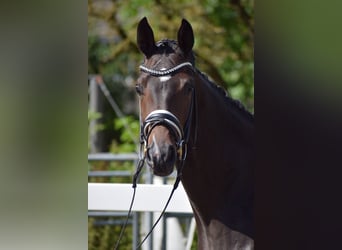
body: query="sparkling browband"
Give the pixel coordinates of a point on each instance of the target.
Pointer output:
(165, 71)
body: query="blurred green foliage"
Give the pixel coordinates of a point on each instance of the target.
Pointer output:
(126, 142)
(223, 30)
(224, 36)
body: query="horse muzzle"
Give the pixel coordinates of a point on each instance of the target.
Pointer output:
(161, 159)
(162, 142)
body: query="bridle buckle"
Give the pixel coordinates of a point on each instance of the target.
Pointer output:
(182, 150)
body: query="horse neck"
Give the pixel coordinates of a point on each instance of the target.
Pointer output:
(218, 173)
(221, 125)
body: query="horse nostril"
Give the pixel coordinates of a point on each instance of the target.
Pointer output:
(170, 156)
(149, 156)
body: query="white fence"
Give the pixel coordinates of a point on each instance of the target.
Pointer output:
(106, 198)
(148, 198)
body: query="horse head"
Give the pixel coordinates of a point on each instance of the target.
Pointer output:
(166, 89)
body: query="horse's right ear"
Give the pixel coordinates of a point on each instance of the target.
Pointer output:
(145, 38)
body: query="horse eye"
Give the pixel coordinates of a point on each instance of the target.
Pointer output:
(189, 88)
(139, 89)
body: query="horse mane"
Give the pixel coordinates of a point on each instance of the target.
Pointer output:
(166, 44)
(228, 99)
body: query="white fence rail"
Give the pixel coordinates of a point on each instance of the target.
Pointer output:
(149, 197)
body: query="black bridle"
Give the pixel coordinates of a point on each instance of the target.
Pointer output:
(181, 134)
(169, 120)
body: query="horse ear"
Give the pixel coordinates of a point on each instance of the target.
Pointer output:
(185, 37)
(145, 38)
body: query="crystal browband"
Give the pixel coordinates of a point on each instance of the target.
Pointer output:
(165, 71)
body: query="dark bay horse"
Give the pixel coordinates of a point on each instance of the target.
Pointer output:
(189, 123)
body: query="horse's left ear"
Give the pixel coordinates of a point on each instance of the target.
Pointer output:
(185, 37)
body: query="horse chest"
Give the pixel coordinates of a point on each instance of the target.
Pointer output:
(217, 236)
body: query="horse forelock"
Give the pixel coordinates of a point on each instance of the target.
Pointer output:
(167, 43)
(168, 54)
